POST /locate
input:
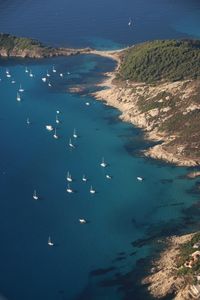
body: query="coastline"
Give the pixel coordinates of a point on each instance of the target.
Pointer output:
(164, 281)
(124, 97)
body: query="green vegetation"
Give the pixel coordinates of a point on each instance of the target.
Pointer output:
(185, 251)
(168, 60)
(10, 42)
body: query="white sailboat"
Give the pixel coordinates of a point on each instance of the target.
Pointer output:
(44, 79)
(82, 221)
(28, 121)
(140, 178)
(69, 177)
(84, 178)
(49, 127)
(129, 22)
(48, 75)
(108, 176)
(57, 120)
(61, 75)
(75, 134)
(21, 90)
(49, 84)
(50, 243)
(26, 70)
(31, 74)
(8, 73)
(58, 112)
(55, 134)
(53, 69)
(71, 144)
(103, 164)
(18, 97)
(35, 196)
(13, 81)
(92, 191)
(69, 189)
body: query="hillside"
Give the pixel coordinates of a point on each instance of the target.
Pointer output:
(12, 46)
(157, 88)
(169, 60)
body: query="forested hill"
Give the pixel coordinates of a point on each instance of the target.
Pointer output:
(12, 46)
(168, 60)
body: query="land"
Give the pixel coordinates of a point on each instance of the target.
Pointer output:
(177, 270)
(12, 46)
(156, 86)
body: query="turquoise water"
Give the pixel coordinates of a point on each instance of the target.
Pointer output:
(122, 210)
(106, 258)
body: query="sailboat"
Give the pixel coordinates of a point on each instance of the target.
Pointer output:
(75, 134)
(82, 221)
(31, 74)
(26, 70)
(84, 178)
(61, 75)
(58, 112)
(48, 75)
(54, 70)
(139, 178)
(69, 189)
(55, 134)
(57, 120)
(92, 191)
(35, 196)
(18, 97)
(70, 144)
(69, 177)
(50, 243)
(28, 121)
(130, 22)
(49, 84)
(49, 127)
(21, 90)
(103, 164)
(108, 176)
(44, 79)
(8, 73)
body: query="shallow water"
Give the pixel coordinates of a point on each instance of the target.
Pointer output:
(103, 259)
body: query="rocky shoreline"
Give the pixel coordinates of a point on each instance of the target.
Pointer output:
(125, 96)
(164, 280)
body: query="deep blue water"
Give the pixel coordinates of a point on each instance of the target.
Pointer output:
(96, 260)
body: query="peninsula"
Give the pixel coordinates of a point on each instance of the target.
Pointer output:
(156, 86)
(12, 46)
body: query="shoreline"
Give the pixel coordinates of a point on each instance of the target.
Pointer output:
(121, 96)
(163, 279)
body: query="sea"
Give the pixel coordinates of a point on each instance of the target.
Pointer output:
(126, 219)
